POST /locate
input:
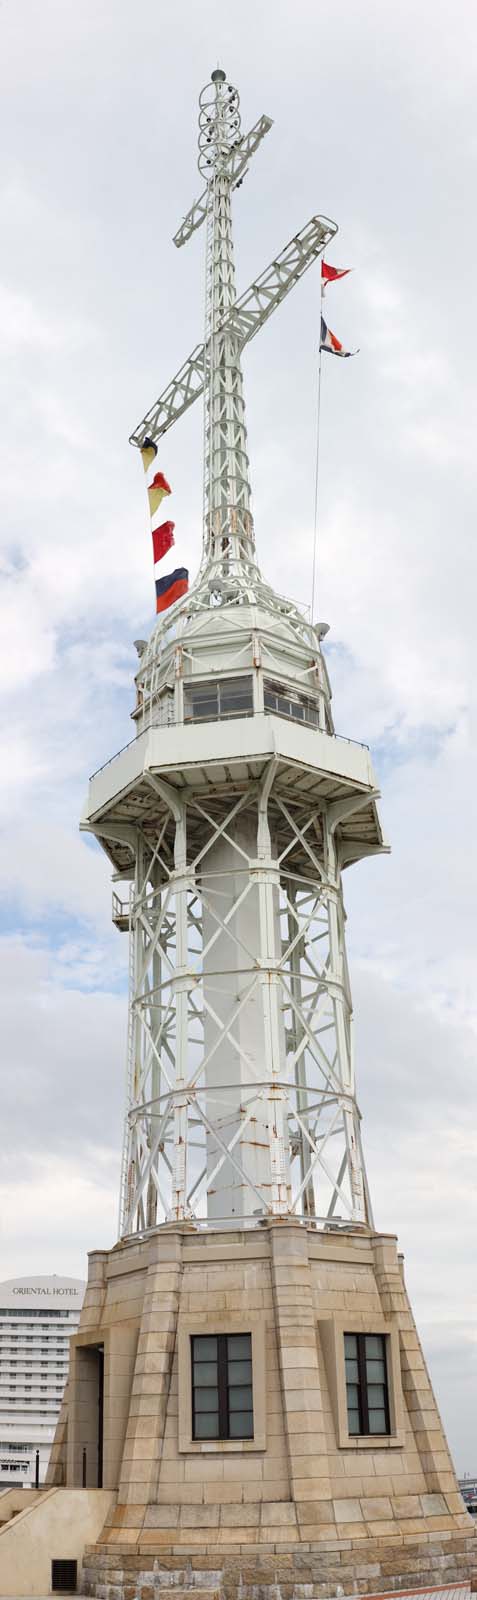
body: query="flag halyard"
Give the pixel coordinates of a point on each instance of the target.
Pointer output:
(175, 584)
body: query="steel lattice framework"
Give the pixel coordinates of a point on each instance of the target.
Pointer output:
(279, 1130)
(234, 833)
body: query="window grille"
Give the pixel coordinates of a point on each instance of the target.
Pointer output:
(366, 1383)
(64, 1577)
(222, 1392)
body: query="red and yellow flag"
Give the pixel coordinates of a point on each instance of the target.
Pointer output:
(156, 491)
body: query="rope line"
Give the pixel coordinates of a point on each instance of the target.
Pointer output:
(317, 467)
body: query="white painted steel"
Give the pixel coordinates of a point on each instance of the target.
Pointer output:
(236, 159)
(230, 836)
(247, 316)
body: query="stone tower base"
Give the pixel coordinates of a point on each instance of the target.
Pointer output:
(301, 1573)
(302, 1503)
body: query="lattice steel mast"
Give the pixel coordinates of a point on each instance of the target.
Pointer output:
(227, 516)
(241, 1097)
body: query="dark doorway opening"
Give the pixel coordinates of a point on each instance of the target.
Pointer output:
(100, 1413)
(89, 1379)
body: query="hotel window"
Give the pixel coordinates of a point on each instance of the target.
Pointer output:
(222, 1397)
(366, 1383)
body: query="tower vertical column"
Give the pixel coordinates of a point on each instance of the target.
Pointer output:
(341, 1000)
(302, 1392)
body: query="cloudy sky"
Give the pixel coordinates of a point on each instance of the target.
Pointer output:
(374, 112)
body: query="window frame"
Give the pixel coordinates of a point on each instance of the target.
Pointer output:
(212, 1324)
(217, 687)
(306, 703)
(332, 1329)
(223, 1386)
(363, 1383)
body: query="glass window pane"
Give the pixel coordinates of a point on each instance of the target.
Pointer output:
(352, 1373)
(205, 1372)
(350, 1344)
(241, 1425)
(201, 700)
(375, 1394)
(202, 691)
(239, 1346)
(240, 1372)
(205, 1348)
(207, 1425)
(353, 1421)
(352, 1394)
(374, 1344)
(206, 709)
(236, 696)
(377, 1422)
(375, 1371)
(240, 1399)
(206, 1399)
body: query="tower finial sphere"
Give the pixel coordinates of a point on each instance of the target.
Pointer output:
(218, 76)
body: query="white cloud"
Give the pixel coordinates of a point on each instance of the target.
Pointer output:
(24, 323)
(51, 1206)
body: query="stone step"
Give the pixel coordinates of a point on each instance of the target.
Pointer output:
(148, 1591)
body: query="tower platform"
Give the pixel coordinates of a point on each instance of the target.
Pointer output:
(302, 1505)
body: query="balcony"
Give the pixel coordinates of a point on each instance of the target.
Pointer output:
(120, 913)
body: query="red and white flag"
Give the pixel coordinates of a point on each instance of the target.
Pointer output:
(328, 341)
(331, 274)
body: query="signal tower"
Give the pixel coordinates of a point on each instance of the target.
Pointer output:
(241, 1094)
(247, 1379)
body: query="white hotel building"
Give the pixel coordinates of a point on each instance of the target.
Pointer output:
(37, 1317)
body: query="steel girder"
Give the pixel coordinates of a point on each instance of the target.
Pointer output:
(249, 314)
(197, 980)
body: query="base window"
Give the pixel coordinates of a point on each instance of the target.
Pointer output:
(366, 1383)
(222, 1394)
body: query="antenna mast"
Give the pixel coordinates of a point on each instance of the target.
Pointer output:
(228, 525)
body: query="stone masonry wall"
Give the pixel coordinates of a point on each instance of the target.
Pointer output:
(354, 1515)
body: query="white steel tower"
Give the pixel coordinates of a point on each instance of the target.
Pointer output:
(232, 816)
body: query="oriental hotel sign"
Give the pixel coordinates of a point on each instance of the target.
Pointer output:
(33, 1290)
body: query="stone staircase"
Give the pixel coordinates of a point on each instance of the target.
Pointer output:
(12, 1501)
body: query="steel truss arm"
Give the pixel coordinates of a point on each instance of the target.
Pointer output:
(234, 166)
(267, 292)
(243, 321)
